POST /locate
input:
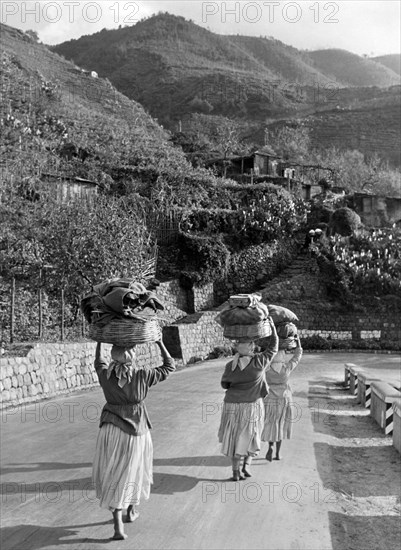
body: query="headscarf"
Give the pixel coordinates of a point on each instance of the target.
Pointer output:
(121, 364)
(243, 356)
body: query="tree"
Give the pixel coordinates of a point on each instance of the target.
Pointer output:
(33, 34)
(211, 135)
(357, 172)
(344, 221)
(291, 143)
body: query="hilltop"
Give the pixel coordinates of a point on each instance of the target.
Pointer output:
(174, 68)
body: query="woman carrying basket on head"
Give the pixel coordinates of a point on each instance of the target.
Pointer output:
(243, 414)
(122, 467)
(279, 413)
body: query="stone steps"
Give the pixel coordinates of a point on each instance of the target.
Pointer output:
(302, 266)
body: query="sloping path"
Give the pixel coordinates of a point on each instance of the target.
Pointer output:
(335, 488)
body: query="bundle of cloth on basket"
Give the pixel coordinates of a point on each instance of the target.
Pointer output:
(287, 331)
(122, 312)
(245, 318)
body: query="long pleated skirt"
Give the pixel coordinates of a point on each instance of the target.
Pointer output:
(122, 468)
(241, 428)
(279, 418)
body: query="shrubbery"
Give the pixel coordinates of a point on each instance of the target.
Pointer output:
(202, 258)
(318, 343)
(344, 221)
(371, 261)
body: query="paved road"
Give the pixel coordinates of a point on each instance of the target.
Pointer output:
(47, 449)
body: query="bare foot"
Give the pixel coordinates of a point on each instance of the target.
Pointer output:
(132, 514)
(237, 476)
(118, 526)
(119, 536)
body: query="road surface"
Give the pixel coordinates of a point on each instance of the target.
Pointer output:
(335, 488)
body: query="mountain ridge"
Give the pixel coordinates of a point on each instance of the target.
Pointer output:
(174, 68)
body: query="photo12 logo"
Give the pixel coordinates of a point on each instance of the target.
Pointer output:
(271, 492)
(124, 13)
(270, 12)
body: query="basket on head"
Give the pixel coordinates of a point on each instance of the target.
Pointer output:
(126, 332)
(248, 332)
(281, 314)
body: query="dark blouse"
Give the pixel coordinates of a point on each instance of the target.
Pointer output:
(249, 385)
(125, 407)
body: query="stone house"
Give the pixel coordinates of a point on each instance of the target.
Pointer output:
(376, 210)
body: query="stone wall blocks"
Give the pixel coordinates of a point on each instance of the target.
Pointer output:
(22, 368)
(5, 396)
(32, 390)
(30, 367)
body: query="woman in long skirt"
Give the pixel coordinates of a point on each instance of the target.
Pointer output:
(123, 463)
(243, 415)
(279, 410)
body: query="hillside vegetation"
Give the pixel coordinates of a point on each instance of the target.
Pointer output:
(392, 61)
(175, 68)
(349, 69)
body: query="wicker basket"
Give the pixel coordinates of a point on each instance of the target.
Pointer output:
(126, 332)
(248, 332)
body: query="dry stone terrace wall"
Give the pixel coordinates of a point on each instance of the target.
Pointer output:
(48, 370)
(179, 301)
(195, 337)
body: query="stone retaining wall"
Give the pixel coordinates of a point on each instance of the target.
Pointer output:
(325, 320)
(175, 300)
(195, 337)
(300, 287)
(52, 369)
(179, 301)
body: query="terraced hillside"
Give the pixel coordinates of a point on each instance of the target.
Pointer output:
(48, 102)
(349, 69)
(367, 130)
(75, 88)
(173, 67)
(392, 61)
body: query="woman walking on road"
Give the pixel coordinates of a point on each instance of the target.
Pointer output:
(123, 463)
(279, 412)
(242, 415)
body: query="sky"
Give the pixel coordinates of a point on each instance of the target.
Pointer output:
(364, 27)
